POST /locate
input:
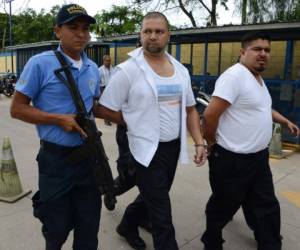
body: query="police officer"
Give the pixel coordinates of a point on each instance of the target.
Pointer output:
(68, 198)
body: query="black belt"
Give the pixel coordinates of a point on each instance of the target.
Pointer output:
(56, 148)
(170, 142)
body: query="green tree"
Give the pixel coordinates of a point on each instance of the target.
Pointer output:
(119, 20)
(258, 11)
(288, 10)
(3, 30)
(189, 7)
(295, 14)
(30, 26)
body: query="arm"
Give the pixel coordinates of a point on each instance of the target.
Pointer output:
(112, 99)
(212, 115)
(22, 110)
(193, 125)
(103, 112)
(277, 117)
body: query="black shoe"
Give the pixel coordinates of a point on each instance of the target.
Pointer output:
(109, 203)
(134, 240)
(207, 248)
(146, 225)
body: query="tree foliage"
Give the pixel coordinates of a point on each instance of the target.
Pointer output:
(286, 10)
(259, 11)
(189, 7)
(28, 27)
(119, 20)
(31, 27)
(3, 30)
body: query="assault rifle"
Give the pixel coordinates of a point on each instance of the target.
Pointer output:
(92, 147)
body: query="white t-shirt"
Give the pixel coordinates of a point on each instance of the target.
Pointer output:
(169, 91)
(76, 63)
(246, 125)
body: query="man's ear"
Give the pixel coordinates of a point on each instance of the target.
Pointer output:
(242, 51)
(56, 31)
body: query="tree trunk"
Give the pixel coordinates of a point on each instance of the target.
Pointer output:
(244, 11)
(213, 17)
(3, 39)
(189, 14)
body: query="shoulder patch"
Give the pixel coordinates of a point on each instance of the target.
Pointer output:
(22, 81)
(92, 85)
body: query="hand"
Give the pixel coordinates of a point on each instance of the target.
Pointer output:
(69, 124)
(293, 128)
(200, 155)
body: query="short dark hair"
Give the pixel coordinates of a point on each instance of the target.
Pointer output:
(251, 36)
(156, 14)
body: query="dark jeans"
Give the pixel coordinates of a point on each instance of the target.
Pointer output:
(154, 183)
(242, 179)
(67, 199)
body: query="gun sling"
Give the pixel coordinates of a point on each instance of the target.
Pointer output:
(92, 145)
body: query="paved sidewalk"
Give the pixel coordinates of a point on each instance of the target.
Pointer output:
(19, 230)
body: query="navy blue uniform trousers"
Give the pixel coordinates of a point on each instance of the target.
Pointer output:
(242, 179)
(67, 199)
(154, 183)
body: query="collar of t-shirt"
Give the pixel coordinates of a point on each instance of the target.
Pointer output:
(76, 63)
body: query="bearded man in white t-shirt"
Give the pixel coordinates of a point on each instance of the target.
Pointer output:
(151, 93)
(238, 129)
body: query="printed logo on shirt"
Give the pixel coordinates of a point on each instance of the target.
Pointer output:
(169, 94)
(92, 85)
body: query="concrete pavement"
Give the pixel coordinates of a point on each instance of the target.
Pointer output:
(19, 230)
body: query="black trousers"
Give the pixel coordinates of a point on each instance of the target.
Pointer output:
(126, 178)
(67, 200)
(242, 180)
(154, 183)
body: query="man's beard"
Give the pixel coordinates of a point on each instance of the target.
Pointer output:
(260, 69)
(154, 49)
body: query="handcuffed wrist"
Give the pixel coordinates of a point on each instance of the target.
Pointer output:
(201, 145)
